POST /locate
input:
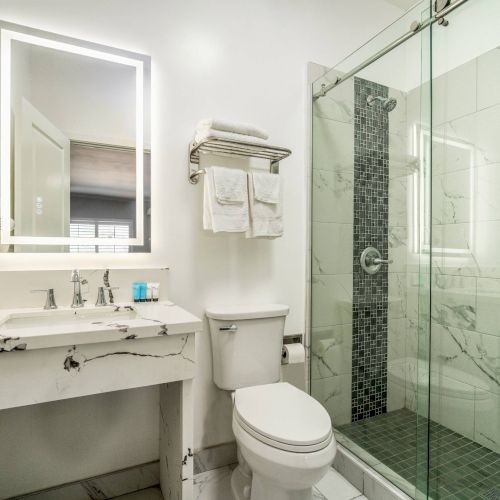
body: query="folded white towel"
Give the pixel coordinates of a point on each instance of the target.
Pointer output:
(230, 185)
(234, 127)
(205, 133)
(228, 217)
(266, 220)
(266, 187)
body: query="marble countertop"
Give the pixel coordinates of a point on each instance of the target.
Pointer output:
(30, 328)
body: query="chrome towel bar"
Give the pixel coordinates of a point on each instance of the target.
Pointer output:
(238, 149)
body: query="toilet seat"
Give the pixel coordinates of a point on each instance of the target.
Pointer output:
(283, 417)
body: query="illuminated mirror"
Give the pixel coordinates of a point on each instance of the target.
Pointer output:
(75, 153)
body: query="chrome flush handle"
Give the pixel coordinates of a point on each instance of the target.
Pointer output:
(231, 328)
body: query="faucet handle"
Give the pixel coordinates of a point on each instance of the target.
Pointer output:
(101, 296)
(50, 301)
(75, 276)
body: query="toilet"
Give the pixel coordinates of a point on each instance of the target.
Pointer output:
(284, 436)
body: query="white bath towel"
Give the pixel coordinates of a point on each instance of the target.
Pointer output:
(202, 134)
(227, 217)
(230, 185)
(266, 219)
(234, 127)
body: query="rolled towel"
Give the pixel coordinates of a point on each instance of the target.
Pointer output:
(266, 220)
(233, 127)
(203, 134)
(227, 217)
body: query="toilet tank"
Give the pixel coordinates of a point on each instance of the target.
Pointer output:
(246, 344)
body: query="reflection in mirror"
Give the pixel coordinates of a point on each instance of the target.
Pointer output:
(80, 164)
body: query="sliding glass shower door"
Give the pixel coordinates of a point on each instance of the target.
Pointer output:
(405, 350)
(464, 435)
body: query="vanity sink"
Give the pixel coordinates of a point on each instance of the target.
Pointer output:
(27, 329)
(92, 315)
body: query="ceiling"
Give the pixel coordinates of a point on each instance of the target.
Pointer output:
(403, 4)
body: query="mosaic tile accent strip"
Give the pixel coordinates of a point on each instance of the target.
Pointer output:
(371, 227)
(459, 469)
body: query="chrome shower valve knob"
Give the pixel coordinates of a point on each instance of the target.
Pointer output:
(371, 260)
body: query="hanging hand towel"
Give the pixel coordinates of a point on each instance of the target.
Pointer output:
(235, 128)
(230, 216)
(266, 220)
(230, 185)
(266, 187)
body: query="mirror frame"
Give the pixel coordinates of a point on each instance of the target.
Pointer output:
(9, 33)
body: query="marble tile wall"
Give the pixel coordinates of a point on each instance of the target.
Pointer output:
(465, 373)
(403, 280)
(332, 248)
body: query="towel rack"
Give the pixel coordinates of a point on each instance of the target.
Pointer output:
(231, 147)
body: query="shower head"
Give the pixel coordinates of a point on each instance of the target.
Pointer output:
(388, 103)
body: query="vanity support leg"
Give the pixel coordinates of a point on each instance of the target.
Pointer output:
(176, 440)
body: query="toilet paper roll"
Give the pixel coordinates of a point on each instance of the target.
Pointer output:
(293, 353)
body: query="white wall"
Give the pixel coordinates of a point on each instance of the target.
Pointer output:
(238, 60)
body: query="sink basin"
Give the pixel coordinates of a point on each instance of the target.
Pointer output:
(58, 317)
(28, 329)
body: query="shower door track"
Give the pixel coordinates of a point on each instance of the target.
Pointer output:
(415, 28)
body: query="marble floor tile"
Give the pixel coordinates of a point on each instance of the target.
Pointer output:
(148, 494)
(214, 484)
(335, 487)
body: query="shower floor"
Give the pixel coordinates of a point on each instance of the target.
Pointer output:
(459, 468)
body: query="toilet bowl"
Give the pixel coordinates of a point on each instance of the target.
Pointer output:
(285, 439)
(284, 436)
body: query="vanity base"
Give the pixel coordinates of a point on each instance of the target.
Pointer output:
(80, 370)
(176, 440)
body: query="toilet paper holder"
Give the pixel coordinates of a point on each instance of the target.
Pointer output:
(290, 339)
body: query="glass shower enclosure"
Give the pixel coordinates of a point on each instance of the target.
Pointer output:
(405, 251)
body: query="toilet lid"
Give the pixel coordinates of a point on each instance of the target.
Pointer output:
(284, 414)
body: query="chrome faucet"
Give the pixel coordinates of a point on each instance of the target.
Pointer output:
(77, 281)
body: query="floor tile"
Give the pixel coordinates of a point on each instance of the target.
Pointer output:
(214, 484)
(335, 487)
(148, 494)
(456, 463)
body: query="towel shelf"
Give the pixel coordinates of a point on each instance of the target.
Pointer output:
(239, 149)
